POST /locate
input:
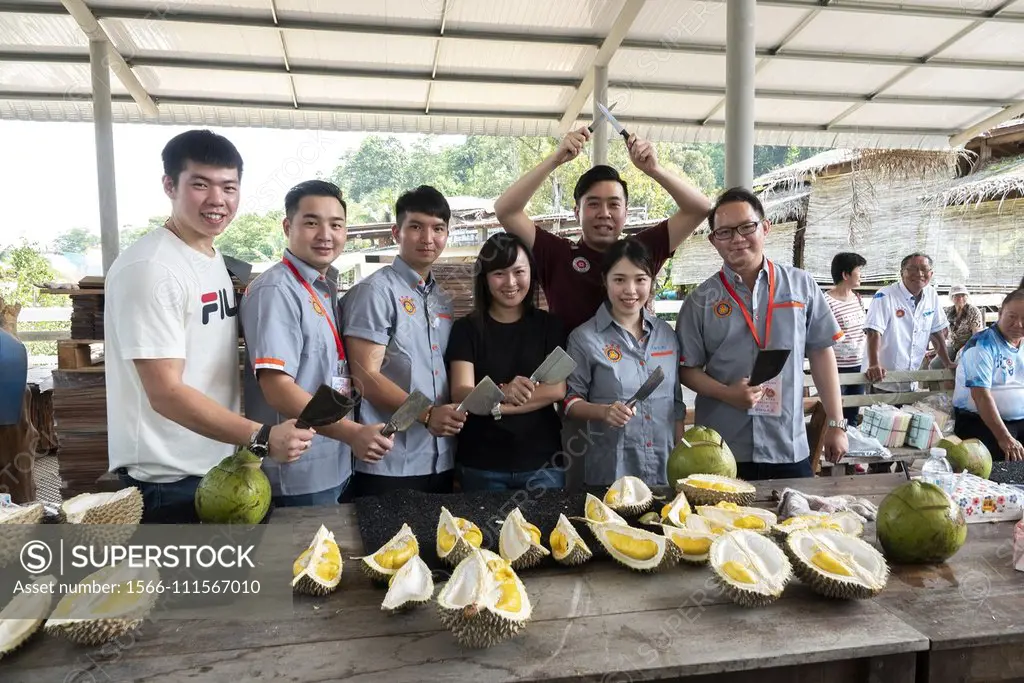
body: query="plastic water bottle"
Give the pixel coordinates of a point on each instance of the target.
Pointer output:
(937, 470)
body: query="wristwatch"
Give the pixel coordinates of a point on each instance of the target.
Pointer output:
(259, 442)
(496, 411)
(841, 424)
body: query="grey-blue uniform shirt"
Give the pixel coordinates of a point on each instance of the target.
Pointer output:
(285, 331)
(713, 335)
(412, 319)
(610, 366)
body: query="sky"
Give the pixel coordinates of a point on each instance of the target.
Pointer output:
(48, 175)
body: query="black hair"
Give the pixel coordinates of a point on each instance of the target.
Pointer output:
(597, 174)
(500, 251)
(1015, 295)
(629, 248)
(201, 147)
(1021, 285)
(311, 188)
(424, 199)
(736, 194)
(917, 254)
(846, 262)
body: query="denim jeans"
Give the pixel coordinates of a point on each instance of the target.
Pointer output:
(754, 471)
(170, 503)
(486, 480)
(326, 497)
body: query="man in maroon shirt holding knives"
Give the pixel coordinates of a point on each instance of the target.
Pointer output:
(570, 272)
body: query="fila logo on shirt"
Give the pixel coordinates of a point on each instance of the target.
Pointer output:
(217, 302)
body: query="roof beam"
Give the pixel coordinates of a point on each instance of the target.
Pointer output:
(890, 9)
(616, 34)
(94, 32)
(424, 74)
(548, 115)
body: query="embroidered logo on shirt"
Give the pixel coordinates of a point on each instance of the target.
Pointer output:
(723, 308)
(317, 306)
(408, 304)
(900, 313)
(613, 352)
(580, 264)
(879, 295)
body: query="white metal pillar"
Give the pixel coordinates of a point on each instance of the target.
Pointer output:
(600, 136)
(739, 93)
(103, 125)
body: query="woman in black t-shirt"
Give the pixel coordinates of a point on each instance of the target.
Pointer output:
(506, 338)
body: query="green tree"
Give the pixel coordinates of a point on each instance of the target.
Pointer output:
(75, 241)
(254, 238)
(379, 163)
(21, 269)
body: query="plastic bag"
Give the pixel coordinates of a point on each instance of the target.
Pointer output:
(863, 445)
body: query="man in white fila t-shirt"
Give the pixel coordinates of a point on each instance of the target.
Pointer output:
(171, 344)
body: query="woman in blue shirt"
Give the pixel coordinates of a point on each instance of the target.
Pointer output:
(506, 338)
(615, 351)
(988, 401)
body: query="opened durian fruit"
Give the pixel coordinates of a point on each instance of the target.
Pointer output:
(847, 522)
(317, 571)
(484, 602)
(731, 516)
(96, 618)
(381, 565)
(637, 549)
(411, 585)
(837, 565)
(673, 513)
(456, 537)
(629, 496)
(23, 616)
(694, 545)
(104, 518)
(710, 489)
(596, 511)
(749, 567)
(519, 542)
(567, 546)
(15, 521)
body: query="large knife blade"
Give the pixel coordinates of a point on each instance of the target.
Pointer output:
(406, 415)
(598, 119)
(556, 367)
(326, 407)
(614, 121)
(483, 398)
(647, 388)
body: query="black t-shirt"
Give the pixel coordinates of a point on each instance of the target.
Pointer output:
(503, 351)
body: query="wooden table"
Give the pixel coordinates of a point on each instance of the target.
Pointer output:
(598, 622)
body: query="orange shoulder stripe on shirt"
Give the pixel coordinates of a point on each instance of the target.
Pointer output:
(838, 335)
(269, 361)
(662, 353)
(790, 304)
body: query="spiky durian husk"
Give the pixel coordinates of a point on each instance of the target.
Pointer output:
(531, 558)
(15, 530)
(478, 627)
(375, 575)
(701, 496)
(825, 586)
(94, 631)
(460, 551)
(670, 558)
(745, 598)
(307, 586)
(577, 556)
(14, 616)
(126, 508)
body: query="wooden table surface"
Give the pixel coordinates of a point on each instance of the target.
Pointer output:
(598, 622)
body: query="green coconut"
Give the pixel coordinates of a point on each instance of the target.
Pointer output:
(235, 491)
(702, 451)
(919, 523)
(967, 454)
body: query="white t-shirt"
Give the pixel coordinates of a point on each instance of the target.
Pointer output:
(167, 300)
(905, 329)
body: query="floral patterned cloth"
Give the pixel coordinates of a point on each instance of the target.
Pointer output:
(986, 501)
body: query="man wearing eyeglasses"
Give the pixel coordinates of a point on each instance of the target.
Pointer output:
(901, 319)
(753, 303)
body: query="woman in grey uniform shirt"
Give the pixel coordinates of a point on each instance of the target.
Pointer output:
(615, 351)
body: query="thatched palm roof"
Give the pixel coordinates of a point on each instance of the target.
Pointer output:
(1000, 180)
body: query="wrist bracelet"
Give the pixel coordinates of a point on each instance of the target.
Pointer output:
(426, 418)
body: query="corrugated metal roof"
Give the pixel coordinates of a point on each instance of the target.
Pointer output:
(855, 73)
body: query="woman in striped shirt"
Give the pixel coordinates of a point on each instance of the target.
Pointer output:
(849, 312)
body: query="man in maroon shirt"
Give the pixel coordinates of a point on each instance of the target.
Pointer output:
(570, 272)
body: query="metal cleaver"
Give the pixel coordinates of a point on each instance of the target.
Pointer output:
(555, 368)
(326, 407)
(406, 415)
(647, 388)
(483, 398)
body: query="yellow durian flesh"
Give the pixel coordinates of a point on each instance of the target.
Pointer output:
(637, 549)
(382, 564)
(484, 602)
(731, 516)
(317, 570)
(750, 568)
(96, 618)
(23, 616)
(677, 511)
(708, 489)
(629, 495)
(843, 521)
(519, 541)
(596, 511)
(456, 537)
(694, 544)
(567, 547)
(835, 564)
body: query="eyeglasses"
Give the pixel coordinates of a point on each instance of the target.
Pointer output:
(922, 270)
(744, 229)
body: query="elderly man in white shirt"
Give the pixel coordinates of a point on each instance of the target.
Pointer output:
(901, 320)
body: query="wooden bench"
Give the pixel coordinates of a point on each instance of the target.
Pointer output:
(903, 456)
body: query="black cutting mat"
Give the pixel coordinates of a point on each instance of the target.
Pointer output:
(380, 517)
(1011, 472)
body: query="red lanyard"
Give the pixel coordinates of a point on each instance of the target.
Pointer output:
(316, 304)
(746, 313)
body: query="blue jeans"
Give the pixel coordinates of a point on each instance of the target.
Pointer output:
(326, 497)
(754, 471)
(486, 480)
(171, 503)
